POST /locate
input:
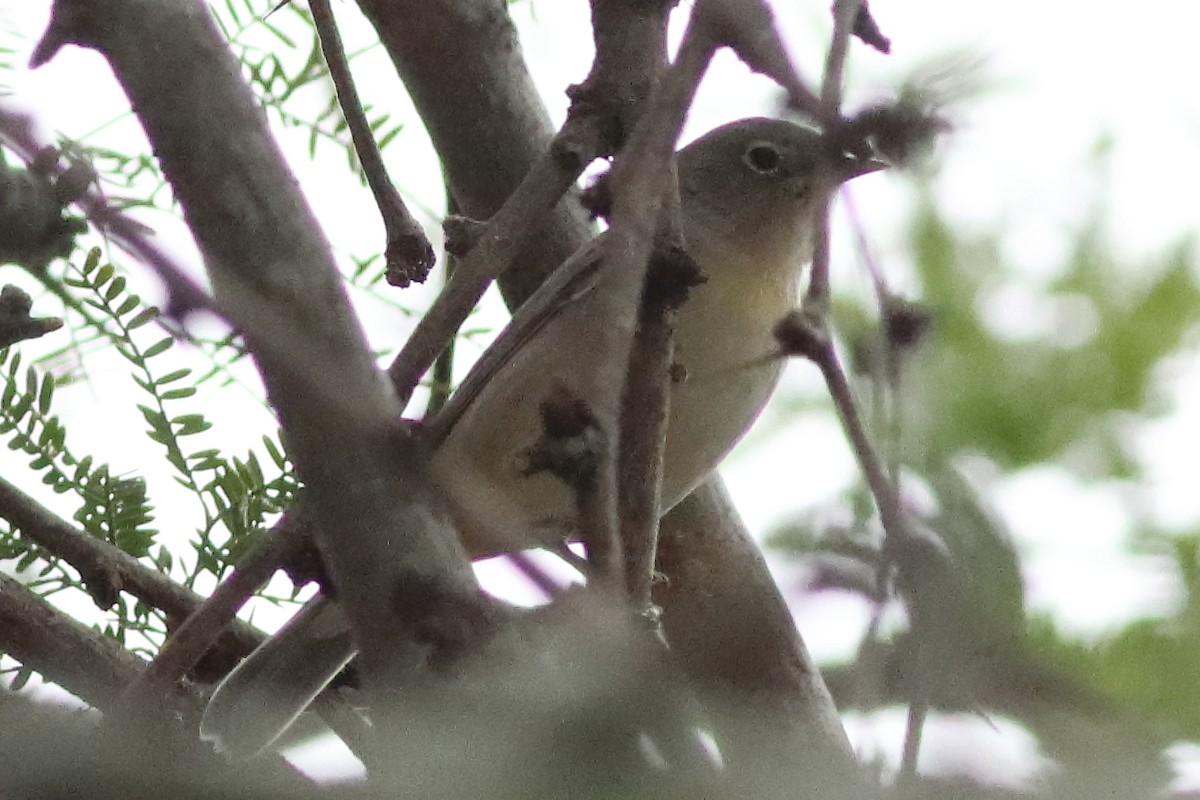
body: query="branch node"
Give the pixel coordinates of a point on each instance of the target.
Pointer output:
(905, 322)
(450, 621)
(867, 30)
(461, 234)
(57, 36)
(574, 147)
(15, 322)
(670, 277)
(598, 105)
(597, 198)
(409, 258)
(802, 333)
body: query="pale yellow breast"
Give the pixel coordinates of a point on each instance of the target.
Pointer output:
(724, 344)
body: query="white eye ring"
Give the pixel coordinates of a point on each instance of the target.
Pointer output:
(764, 158)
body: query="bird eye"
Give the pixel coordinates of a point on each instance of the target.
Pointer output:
(763, 157)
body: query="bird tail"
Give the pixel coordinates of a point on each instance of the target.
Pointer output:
(265, 694)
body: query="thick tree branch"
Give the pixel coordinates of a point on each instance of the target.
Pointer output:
(273, 274)
(631, 51)
(107, 570)
(732, 634)
(96, 668)
(85, 662)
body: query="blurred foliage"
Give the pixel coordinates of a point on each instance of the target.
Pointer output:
(1067, 391)
(1026, 402)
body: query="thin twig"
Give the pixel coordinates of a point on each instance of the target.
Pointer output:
(881, 480)
(906, 779)
(640, 182)
(551, 176)
(407, 252)
(748, 27)
(816, 296)
(844, 14)
(887, 498)
(191, 640)
(462, 64)
(644, 413)
(184, 295)
(886, 389)
(110, 570)
(536, 575)
(442, 380)
(646, 404)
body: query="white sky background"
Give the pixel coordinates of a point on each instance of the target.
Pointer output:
(1061, 75)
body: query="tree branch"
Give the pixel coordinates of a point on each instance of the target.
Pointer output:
(184, 295)
(732, 634)
(16, 324)
(407, 252)
(107, 570)
(462, 64)
(640, 185)
(96, 668)
(274, 275)
(500, 242)
(85, 662)
(190, 641)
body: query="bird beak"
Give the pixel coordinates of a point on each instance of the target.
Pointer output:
(853, 167)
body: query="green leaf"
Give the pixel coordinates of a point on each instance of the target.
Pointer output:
(31, 382)
(81, 470)
(153, 416)
(163, 559)
(148, 314)
(115, 289)
(188, 424)
(276, 454)
(159, 347)
(170, 377)
(45, 396)
(129, 304)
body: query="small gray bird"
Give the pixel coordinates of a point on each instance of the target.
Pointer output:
(748, 192)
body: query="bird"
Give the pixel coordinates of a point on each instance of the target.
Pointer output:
(749, 193)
